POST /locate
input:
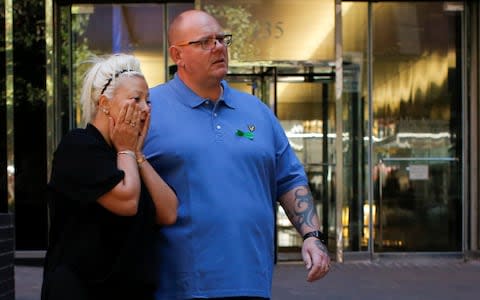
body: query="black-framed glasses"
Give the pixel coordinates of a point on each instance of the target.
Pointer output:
(209, 43)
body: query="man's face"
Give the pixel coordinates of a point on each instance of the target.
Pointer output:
(203, 55)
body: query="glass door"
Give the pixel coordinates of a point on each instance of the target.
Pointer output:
(417, 126)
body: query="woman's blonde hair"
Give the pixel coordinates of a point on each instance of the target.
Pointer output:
(102, 78)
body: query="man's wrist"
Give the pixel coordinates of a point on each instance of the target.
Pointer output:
(316, 234)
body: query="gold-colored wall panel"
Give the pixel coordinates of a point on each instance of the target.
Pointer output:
(277, 30)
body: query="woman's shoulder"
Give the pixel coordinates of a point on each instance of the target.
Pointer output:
(74, 135)
(80, 137)
(79, 141)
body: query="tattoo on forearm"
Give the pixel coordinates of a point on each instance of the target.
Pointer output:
(304, 210)
(321, 246)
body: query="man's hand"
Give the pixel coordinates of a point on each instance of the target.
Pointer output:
(315, 256)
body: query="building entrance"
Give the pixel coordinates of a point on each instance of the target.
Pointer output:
(392, 174)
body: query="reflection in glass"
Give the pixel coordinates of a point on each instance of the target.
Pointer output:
(306, 109)
(417, 126)
(100, 29)
(111, 28)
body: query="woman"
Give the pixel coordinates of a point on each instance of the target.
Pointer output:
(104, 197)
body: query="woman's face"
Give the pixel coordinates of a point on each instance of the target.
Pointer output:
(130, 89)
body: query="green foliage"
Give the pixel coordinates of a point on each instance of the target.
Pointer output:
(240, 22)
(29, 51)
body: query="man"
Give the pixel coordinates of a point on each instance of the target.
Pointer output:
(228, 158)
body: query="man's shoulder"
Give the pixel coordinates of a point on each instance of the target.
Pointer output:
(171, 88)
(238, 93)
(162, 93)
(241, 95)
(159, 87)
(245, 100)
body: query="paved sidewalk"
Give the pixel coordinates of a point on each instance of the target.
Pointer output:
(382, 281)
(386, 280)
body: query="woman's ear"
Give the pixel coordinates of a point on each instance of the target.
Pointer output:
(104, 104)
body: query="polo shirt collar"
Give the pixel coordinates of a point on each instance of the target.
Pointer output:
(189, 98)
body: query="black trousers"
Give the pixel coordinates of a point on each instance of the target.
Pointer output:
(64, 284)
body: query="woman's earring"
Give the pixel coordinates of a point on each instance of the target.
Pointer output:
(105, 111)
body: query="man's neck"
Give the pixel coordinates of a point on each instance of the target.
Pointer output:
(211, 91)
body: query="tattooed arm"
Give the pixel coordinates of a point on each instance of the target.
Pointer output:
(299, 207)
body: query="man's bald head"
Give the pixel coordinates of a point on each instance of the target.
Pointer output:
(184, 22)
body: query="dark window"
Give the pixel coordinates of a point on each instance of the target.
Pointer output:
(29, 124)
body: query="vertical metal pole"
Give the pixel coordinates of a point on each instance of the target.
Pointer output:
(326, 164)
(474, 83)
(275, 105)
(370, 129)
(50, 71)
(10, 102)
(470, 126)
(50, 94)
(275, 82)
(339, 130)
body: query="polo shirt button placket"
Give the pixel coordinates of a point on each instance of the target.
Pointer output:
(218, 128)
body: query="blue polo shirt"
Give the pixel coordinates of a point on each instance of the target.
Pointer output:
(228, 161)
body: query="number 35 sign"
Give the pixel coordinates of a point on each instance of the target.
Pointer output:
(277, 30)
